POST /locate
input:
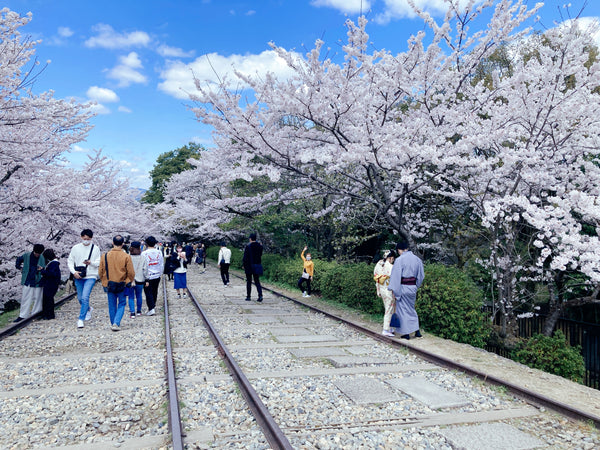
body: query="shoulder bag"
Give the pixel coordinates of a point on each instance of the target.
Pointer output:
(83, 269)
(115, 287)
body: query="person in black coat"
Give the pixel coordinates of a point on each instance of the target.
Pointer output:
(252, 262)
(50, 282)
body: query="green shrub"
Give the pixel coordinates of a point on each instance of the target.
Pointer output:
(553, 355)
(449, 305)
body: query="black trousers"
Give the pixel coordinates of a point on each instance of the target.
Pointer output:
(151, 292)
(225, 273)
(249, 277)
(48, 303)
(301, 284)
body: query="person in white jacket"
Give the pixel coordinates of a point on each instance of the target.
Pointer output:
(154, 267)
(224, 261)
(140, 266)
(83, 262)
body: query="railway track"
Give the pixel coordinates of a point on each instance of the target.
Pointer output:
(220, 372)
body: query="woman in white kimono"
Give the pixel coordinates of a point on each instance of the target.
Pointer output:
(381, 275)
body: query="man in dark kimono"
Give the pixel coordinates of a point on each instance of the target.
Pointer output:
(406, 278)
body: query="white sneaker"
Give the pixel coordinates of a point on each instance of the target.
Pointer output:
(115, 327)
(184, 294)
(88, 316)
(387, 333)
(151, 312)
(80, 324)
(304, 294)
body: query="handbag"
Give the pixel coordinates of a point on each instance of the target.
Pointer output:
(83, 269)
(395, 322)
(114, 287)
(257, 269)
(305, 275)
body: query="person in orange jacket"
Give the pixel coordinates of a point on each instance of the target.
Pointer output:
(307, 273)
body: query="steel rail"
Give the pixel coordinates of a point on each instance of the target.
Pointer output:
(174, 414)
(530, 396)
(275, 437)
(16, 326)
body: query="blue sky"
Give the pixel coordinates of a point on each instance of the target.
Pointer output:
(135, 58)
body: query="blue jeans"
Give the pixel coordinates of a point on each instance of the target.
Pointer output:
(84, 289)
(116, 306)
(137, 290)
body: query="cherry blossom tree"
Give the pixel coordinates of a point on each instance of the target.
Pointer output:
(371, 134)
(534, 179)
(42, 200)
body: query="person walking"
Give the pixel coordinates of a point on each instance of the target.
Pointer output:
(83, 262)
(139, 262)
(116, 273)
(252, 262)
(154, 267)
(180, 272)
(31, 264)
(307, 273)
(201, 252)
(405, 279)
(50, 282)
(381, 275)
(224, 259)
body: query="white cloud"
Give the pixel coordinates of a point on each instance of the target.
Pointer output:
(65, 32)
(107, 37)
(590, 25)
(126, 72)
(100, 95)
(78, 149)
(179, 77)
(124, 109)
(397, 9)
(173, 52)
(250, 12)
(98, 108)
(345, 6)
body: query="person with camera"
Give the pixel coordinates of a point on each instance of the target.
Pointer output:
(83, 263)
(116, 273)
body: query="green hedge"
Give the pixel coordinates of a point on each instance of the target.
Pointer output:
(553, 355)
(449, 305)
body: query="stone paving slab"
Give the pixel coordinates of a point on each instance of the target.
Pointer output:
(490, 436)
(362, 350)
(309, 338)
(428, 393)
(263, 319)
(349, 361)
(291, 331)
(363, 390)
(294, 320)
(317, 352)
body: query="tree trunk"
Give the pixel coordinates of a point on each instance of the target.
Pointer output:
(555, 308)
